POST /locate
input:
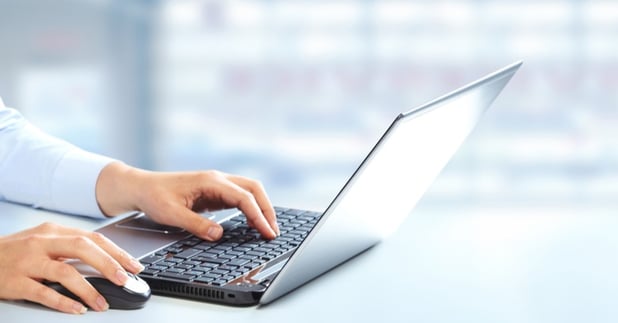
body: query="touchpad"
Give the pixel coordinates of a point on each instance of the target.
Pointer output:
(144, 223)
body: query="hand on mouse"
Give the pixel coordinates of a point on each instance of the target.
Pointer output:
(174, 198)
(33, 255)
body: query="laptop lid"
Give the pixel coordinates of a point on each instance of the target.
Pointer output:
(390, 181)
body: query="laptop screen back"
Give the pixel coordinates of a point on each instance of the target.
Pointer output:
(390, 181)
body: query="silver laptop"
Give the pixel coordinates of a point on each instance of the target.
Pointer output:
(243, 269)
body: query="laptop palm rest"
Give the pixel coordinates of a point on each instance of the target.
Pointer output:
(140, 236)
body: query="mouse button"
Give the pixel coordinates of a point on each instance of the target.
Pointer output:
(136, 285)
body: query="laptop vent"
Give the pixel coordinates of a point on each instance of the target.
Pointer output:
(187, 291)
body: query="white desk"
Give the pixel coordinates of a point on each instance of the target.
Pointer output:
(464, 265)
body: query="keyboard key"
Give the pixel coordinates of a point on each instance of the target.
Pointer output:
(174, 270)
(205, 245)
(248, 257)
(194, 272)
(149, 272)
(270, 245)
(192, 263)
(152, 259)
(166, 263)
(227, 267)
(176, 276)
(217, 260)
(294, 212)
(174, 259)
(255, 253)
(236, 274)
(188, 253)
(212, 251)
(278, 242)
(219, 282)
(253, 265)
(241, 249)
(173, 250)
(222, 247)
(239, 262)
(212, 276)
(219, 271)
(192, 241)
(157, 267)
(228, 278)
(205, 267)
(204, 279)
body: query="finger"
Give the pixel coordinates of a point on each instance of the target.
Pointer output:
(36, 292)
(261, 198)
(71, 279)
(195, 223)
(120, 255)
(245, 201)
(87, 251)
(99, 239)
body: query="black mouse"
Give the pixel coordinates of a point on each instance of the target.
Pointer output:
(133, 295)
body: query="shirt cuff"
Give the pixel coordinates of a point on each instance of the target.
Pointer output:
(73, 188)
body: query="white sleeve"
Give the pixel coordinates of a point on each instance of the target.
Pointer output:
(46, 172)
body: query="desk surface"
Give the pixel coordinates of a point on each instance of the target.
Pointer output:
(457, 265)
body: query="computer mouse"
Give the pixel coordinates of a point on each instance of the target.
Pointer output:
(133, 295)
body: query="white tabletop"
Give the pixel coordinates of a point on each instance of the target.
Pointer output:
(443, 265)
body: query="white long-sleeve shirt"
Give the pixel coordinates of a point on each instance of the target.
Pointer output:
(46, 172)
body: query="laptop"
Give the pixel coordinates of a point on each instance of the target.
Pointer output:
(243, 269)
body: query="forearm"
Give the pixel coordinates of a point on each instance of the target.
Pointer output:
(43, 171)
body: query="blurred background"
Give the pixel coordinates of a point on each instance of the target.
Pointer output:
(295, 93)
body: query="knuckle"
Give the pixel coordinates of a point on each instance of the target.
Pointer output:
(109, 262)
(254, 185)
(63, 271)
(209, 175)
(259, 184)
(62, 303)
(47, 227)
(81, 242)
(245, 197)
(98, 238)
(33, 240)
(42, 293)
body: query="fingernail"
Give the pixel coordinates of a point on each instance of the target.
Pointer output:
(122, 276)
(102, 304)
(214, 232)
(79, 308)
(136, 265)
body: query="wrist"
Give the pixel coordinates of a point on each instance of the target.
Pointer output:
(117, 188)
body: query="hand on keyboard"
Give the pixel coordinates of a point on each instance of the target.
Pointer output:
(174, 198)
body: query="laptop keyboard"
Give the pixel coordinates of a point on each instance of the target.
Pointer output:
(240, 250)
